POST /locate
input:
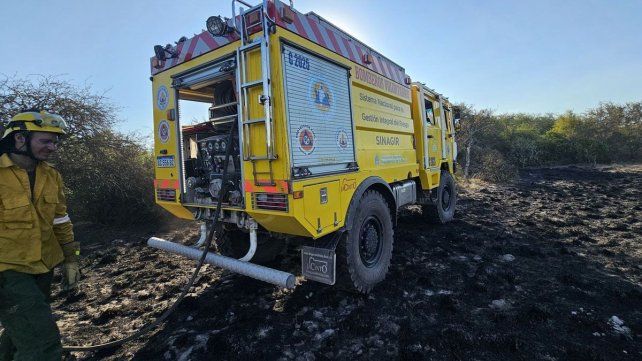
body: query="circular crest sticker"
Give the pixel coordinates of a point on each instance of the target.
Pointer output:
(342, 140)
(305, 137)
(321, 95)
(162, 98)
(163, 131)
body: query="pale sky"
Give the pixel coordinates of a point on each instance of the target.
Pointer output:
(511, 56)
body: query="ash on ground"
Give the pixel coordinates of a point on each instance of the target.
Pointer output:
(548, 268)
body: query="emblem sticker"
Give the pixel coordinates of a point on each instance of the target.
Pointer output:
(321, 95)
(342, 140)
(349, 185)
(163, 131)
(162, 98)
(305, 136)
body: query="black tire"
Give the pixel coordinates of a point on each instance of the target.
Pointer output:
(365, 253)
(443, 209)
(236, 244)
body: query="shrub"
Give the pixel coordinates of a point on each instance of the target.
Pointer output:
(108, 175)
(492, 166)
(606, 134)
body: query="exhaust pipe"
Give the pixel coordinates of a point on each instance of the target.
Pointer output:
(253, 243)
(201, 241)
(270, 275)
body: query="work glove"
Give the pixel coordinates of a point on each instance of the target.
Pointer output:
(70, 275)
(70, 267)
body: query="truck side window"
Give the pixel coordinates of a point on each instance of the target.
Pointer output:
(430, 114)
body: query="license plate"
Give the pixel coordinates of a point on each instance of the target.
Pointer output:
(166, 161)
(319, 264)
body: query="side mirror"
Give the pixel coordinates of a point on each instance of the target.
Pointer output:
(457, 113)
(457, 118)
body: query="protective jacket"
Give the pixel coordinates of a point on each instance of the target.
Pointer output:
(34, 228)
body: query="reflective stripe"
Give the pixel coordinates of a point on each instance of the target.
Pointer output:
(61, 220)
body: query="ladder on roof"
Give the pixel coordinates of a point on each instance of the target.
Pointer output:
(261, 44)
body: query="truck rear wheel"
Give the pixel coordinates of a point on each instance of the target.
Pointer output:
(443, 209)
(367, 250)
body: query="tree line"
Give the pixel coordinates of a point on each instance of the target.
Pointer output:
(495, 146)
(109, 174)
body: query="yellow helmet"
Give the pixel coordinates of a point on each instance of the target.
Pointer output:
(33, 121)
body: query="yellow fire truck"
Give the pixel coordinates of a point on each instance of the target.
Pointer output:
(307, 135)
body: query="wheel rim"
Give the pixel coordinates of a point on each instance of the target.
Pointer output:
(446, 196)
(370, 241)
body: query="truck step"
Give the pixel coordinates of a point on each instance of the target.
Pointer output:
(251, 84)
(261, 157)
(255, 44)
(226, 117)
(254, 121)
(214, 107)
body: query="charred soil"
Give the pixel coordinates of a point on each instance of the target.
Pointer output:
(547, 268)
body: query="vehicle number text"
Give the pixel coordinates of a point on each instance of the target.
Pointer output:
(298, 60)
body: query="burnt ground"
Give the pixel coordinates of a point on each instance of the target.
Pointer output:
(534, 270)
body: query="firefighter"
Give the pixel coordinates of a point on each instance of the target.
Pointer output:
(36, 235)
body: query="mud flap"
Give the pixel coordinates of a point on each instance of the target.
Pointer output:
(319, 264)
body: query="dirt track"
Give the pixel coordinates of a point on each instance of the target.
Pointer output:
(530, 271)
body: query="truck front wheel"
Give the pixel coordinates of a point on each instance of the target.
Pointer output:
(443, 209)
(367, 250)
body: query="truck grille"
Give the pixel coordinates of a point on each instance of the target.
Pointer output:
(270, 201)
(168, 195)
